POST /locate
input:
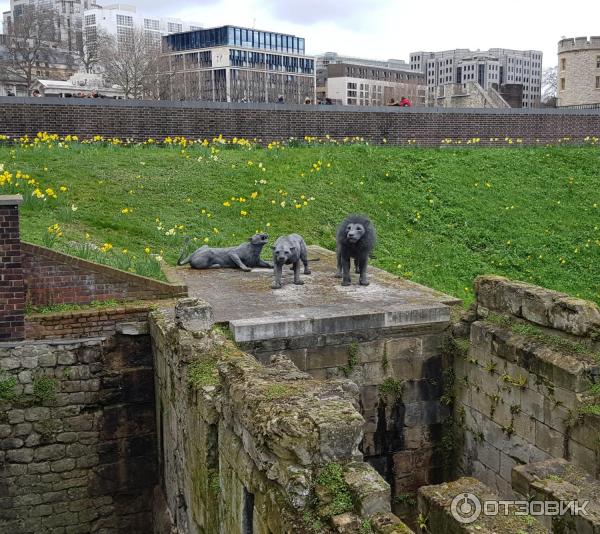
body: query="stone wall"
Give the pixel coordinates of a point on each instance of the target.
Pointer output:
(77, 436)
(52, 277)
(12, 298)
(401, 376)
(527, 386)
(131, 318)
(252, 448)
(578, 67)
(141, 120)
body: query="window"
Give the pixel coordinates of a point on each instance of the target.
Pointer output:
(124, 20)
(173, 27)
(90, 20)
(563, 63)
(562, 83)
(151, 24)
(598, 62)
(597, 82)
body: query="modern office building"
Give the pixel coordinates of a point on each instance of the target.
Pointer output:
(579, 71)
(491, 69)
(120, 21)
(234, 64)
(356, 81)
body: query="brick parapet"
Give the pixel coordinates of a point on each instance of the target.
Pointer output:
(12, 291)
(140, 120)
(53, 277)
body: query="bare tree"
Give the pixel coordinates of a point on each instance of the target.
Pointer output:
(30, 41)
(90, 46)
(550, 85)
(134, 62)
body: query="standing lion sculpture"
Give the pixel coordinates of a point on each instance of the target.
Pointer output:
(355, 239)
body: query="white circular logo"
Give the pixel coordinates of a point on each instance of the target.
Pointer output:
(466, 508)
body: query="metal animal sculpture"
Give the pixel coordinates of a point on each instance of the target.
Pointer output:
(289, 249)
(245, 256)
(355, 239)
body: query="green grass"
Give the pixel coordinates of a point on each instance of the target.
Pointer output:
(443, 216)
(58, 308)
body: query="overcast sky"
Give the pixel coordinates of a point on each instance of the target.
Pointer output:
(386, 29)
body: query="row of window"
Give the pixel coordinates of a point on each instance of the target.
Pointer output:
(245, 58)
(230, 35)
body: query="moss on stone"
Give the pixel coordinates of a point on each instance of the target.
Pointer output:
(7, 386)
(44, 388)
(279, 391)
(203, 373)
(392, 388)
(352, 359)
(537, 334)
(331, 479)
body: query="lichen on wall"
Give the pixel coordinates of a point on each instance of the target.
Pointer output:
(244, 446)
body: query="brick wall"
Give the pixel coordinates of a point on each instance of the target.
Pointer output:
(85, 323)
(77, 436)
(55, 278)
(427, 126)
(12, 296)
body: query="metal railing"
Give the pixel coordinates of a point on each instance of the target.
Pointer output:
(581, 106)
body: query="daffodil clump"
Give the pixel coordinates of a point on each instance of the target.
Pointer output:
(444, 215)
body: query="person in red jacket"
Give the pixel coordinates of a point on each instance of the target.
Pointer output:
(405, 102)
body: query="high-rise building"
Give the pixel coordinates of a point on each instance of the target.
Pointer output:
(356, 81)
(234, 64)
(579, 71)
(491, 69)
(120, 21)
(67, 17)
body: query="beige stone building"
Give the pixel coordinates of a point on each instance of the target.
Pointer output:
(579, 71)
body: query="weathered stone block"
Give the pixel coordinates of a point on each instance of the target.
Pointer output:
(49, 452)
(560, 481)
(436, 503)
(194, 315)
(20, 456)
(371, 492)
(549, 440)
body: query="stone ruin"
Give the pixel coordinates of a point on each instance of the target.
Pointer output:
(318, 409)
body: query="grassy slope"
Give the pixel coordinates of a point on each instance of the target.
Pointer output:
(443, 215)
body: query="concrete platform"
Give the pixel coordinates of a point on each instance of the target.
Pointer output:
(322, 305)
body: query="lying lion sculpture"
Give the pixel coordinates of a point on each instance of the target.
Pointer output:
(245, 256)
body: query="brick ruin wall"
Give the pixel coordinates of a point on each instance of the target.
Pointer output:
(77, 436)
(88, 322)
(52, 277)
(12, 296)
(140, 120)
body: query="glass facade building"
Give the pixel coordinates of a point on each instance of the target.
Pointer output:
(235, 36)
(232, 64)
